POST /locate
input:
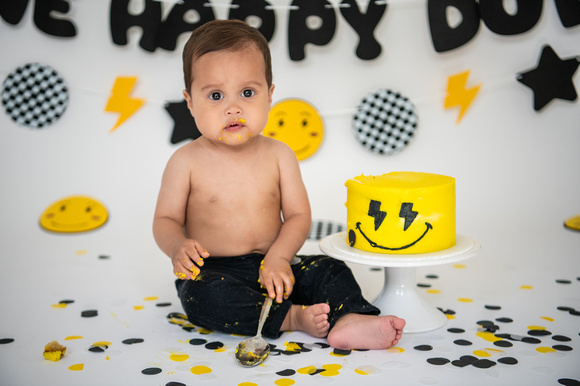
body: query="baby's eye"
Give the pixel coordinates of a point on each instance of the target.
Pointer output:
(215, 96)
(248, 93)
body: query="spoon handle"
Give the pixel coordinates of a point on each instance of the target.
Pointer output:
(264, 314)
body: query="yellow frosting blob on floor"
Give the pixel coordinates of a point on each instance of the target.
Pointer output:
(198, 370)
(77, 367)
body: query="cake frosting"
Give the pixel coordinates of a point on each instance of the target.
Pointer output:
(401, 213)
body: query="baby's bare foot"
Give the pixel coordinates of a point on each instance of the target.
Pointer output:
(356, 331)
(311, 319)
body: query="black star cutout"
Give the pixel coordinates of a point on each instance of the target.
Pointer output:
(551, 79)
(185, 126)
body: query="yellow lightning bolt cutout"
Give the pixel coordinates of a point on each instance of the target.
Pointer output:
(120, 102)
(458, 95)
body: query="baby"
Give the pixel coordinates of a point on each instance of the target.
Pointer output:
(233, 211)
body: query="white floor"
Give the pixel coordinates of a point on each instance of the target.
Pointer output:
(517, 283)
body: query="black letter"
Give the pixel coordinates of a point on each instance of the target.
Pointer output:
(445, 37)
(364, 24)
(45, 23)
(298, 32)
(149, 22)
(257, 8)
(12, 11)
(499, 21)
(175, 23)
(569, 12)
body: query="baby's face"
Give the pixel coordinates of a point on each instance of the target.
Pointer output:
(230, 98)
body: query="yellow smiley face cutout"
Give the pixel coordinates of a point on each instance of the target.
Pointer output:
(74, 214)
(298, 125)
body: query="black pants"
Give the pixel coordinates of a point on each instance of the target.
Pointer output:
(226, 295)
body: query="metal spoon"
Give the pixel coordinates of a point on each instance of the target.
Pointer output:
(252, 351)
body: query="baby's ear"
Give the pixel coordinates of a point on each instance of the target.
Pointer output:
(271, 92)
(187, 98)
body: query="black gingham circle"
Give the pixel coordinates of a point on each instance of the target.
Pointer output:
(385, 121)
(321, 228)
(34, 95)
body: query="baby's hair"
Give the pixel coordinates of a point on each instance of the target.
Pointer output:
(218, 35)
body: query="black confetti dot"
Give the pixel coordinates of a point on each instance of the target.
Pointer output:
(488, 325)
(563, 281)
(97, 349)
(539, 332)
(337, 351)
(175, 384)
(423, 285)
(318, 371)
(508, 361)
(465, 360)
(197, 342)
(438, 361)
(66, 301)
(456, 330)
(483, 363)
(167, 304)
(6, 340)
(574, 312)
(322, 345)
(462, 342)
(176, 315)
(569, 382)
(562, 347)
(151, 371)
(503, 343)
(565, 308)
(104, 257)
(133, 341)
(423, 347)
(504, 320)
(431, 276)
(561, 338)
(494, 308)
(286, 373)
(89, 313)
(214, 345)
(531, 340)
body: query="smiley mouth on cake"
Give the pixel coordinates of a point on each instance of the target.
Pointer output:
(352, 238)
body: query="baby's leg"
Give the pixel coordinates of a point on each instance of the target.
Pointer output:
(357, 331)
(311, 319)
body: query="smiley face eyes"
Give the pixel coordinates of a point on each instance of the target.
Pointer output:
(406, 212)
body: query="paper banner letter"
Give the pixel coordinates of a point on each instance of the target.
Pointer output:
(364, 25)
(149, 20)
(499, 21)
(458, 95)
(299, 33)
(120, 101)
(443, 35)
(569, 12)
(242, 9)
(175, 24)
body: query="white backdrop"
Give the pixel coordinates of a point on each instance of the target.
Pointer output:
(517, 170)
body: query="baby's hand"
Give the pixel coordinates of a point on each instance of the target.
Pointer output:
(187, 257)
(277, 277)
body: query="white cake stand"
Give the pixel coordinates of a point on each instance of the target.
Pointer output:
(399, 295)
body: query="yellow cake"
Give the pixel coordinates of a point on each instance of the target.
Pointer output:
(401, 213)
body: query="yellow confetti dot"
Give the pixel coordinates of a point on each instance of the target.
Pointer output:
(137, 308)
(59, 305)
(449, 316)
(488, 336)
(547, 318)
(292, 346)
(102, 344)
(465, 300)
(365, 370)
(204, 331)
(77, 367)
(331, 370)
(81, 252)
(72, 337)
(179, 357)
(536, 328)
(307, 370)
(198, 370)
(433, 291)
(481, 353)
(527, 287)
(396, 350)
(284, 382)
(247, 384)
(545, 350)
(459, 266)
(151, 298)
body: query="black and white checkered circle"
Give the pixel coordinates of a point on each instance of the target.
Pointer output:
(322, 228)
(385, 121)
(34, 95)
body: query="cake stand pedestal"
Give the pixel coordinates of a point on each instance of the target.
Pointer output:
(399, 295)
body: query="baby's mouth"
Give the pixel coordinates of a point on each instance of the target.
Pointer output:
(235, 125)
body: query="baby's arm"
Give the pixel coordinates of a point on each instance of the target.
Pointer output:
(275, 273)
(186, 254)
